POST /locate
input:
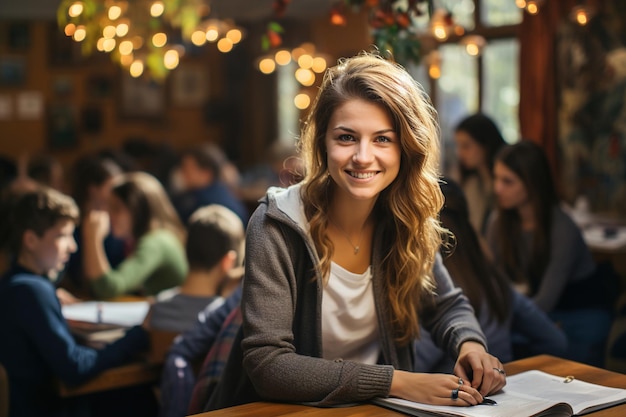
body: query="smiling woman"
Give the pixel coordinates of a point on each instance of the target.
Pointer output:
(370, 148)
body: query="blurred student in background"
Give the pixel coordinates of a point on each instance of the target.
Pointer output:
(37, 346)
(477, 140)
(203, 183)
(214, 250)
(47, 170)
(500, 310)
(93, 177)
(542, 250)
(141, 214)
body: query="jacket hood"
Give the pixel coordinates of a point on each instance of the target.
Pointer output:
(289, 202)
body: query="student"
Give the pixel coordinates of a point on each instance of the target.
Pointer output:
(500, 310)
(478, 139)
(37, 346)
(214, 245)
(141, 214)
(341, 269)
(542, 250)
(93, 177)
(184, 390)
(46, 170)
(201, 171)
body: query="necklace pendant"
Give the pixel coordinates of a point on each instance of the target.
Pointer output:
(356, 250)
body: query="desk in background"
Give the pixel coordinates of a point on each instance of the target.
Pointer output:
(136, 373)
(146, 369)
(546, 363)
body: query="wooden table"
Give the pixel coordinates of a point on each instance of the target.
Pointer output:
(144, 370)
(136, 373)
(546, 363)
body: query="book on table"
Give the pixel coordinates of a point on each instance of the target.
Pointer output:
(527, 394)
(96, 323)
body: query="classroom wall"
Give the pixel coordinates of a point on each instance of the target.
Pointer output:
(54, 99)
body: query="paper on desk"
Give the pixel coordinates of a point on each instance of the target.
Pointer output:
(121, 313)
(596, 238)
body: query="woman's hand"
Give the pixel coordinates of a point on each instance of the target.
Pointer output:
(483, 370)
(436, 389)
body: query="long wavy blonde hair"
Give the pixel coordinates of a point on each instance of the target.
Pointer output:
(409, 206)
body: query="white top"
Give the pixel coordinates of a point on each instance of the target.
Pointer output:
(349, 322)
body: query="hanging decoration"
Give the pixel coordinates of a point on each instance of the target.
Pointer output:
(144, 34)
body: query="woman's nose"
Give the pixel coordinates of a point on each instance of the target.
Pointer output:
(364, 152)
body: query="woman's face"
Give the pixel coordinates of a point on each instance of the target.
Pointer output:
(121, 219)
(363, 150)
(470, 153)
(508, 188)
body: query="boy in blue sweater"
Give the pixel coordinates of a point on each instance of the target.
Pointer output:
(37, 346)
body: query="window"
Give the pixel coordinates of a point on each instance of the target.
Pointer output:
(489, 82)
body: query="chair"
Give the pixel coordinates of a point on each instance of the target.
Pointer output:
(4, 392)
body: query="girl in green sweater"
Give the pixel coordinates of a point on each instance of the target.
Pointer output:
(141, 213)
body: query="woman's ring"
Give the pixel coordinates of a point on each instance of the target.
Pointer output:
(460, 381)
(455, 394)
(500, 371)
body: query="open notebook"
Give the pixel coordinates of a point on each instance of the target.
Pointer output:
(528, 394)
(97, 322)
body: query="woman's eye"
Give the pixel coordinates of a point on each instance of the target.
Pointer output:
(346, 138)
(383, 139)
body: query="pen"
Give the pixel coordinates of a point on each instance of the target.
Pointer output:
(488, 401)
(99, 313)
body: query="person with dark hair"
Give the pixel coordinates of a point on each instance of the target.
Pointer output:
(543, 252)
(37, 346)
(93, 177)
(141, 214)
(214, 249)
(201, 174)
(478, 139)
(343, 267)
(45, 169)
(500, 310)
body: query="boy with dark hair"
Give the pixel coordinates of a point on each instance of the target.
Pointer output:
(203, 178)
(37, 346)
(214, 248)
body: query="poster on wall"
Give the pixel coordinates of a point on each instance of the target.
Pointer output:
(30, 105)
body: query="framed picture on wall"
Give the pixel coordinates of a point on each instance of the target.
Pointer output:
(12, 71)
(141, 98)
(63, 51)
(62, 126)
(18, 36)
(189, 86)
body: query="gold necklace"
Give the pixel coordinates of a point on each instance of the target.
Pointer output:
(355, 247)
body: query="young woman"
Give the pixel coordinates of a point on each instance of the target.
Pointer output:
(542, 250)
(500, 310)
(342, 268)
(141, 214)
(478, 139)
